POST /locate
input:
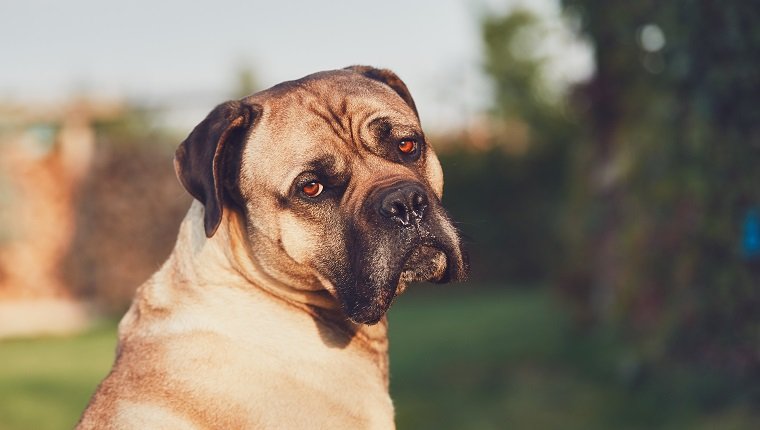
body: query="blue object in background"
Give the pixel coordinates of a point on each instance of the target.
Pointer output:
(751, 234)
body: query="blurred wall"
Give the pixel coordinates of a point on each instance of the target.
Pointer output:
(91, 207)
(127, 216)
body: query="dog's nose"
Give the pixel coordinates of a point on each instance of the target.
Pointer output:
(403, 203)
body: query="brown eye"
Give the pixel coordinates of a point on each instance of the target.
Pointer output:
(313, 189)
(407, 146)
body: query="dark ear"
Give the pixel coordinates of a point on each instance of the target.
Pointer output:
(388, 78)
(201, 160)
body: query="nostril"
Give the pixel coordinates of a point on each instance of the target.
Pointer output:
(395, 208)
(389, 210)
(419, 203)
(398, 209)
(401, 213)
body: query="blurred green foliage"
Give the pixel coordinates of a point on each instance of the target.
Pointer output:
(506, 212)
(633, 192)
(671, 144)
(509, 196)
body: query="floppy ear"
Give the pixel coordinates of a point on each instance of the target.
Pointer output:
(201, 161)
(388, 78)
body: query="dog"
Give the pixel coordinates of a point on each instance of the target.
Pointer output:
(316, 202)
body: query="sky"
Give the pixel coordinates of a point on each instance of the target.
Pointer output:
(185, 55)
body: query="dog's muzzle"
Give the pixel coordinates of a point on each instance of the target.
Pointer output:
(407, 237)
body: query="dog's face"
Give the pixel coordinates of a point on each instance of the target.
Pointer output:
(334, 169)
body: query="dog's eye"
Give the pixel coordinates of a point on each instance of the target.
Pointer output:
(313, 188)
(407, 146)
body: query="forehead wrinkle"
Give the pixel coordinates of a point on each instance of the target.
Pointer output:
(322, 107)
(345, 123)
(346, 118)
(345, 103)
(351, 105)
(326, 115)
(357, 136)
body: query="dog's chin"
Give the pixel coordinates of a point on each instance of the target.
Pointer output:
(423, 263)
(373, 311)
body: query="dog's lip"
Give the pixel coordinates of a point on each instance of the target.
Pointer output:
(419, 246)
(409, 254)
(422, 242)
(453, 271)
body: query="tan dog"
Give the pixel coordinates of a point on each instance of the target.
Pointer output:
(317, 201)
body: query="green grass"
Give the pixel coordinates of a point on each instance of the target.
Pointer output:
(461, 358)
(510, 359)
(45, 383)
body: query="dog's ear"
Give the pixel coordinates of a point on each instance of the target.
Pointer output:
(388, 78)
(202, 160)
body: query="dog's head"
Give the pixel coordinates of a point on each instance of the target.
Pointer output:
(335, 170)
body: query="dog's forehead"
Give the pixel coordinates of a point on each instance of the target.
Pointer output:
(325, 115)
(332, 82)
(332, 96)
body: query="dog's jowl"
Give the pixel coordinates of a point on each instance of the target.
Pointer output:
(316, 202)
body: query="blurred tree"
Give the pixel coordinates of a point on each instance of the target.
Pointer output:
(672, 154)
(508, 198)
(514, 69)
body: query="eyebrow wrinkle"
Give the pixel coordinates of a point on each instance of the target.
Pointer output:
(356, 134)
(337, 118)
(330, 117)
(337, 128)
(351, 129)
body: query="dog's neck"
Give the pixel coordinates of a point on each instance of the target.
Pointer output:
(228, 259)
